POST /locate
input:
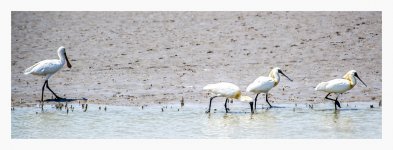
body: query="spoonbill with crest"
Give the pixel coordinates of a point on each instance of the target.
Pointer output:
(264, 84)
(339, 86)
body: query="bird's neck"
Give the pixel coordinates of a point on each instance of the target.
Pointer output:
(274, 75)
(62, 58)
(238, 95)
(351, 79)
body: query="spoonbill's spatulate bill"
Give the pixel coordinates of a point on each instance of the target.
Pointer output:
(49, 67)
(339, 86)
(264, 84)
(227, 90)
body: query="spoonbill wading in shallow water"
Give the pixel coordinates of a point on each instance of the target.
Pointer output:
(264, 84)
(228, 90)
(339, 86)
(49, 67)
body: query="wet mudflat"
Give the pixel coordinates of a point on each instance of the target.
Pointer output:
(354, 120)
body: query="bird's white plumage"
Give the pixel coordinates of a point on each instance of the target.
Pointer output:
(261, 85)
(48, 67)
(334, 86)
(225, 89)
(264, 84)
(45, 67)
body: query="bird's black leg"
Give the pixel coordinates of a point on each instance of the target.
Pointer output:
(327, 97)
(255, 102)
(336, 102)
(42, 95)
(268, 101)
(47, 86)
(226, 109)
(251, 106)
(210, 104)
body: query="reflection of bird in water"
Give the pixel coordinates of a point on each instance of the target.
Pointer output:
(227, 90)
(339, 86)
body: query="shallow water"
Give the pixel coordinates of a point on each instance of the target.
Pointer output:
(355, 120)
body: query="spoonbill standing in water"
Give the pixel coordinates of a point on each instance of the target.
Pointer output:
(264, 84)
(339, 86)
(228, 90)
(49, 67)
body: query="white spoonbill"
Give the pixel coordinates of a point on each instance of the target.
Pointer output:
(339, 86)
(228, 90)
(264, 84)
(48, 68)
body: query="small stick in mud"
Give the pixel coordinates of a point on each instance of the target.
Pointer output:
(380, 103)
(182, 102)
(99, 108)
(162, 109)
(59, 106)
(105, 108)
(142, 107)
(67, 111)
(85, 108)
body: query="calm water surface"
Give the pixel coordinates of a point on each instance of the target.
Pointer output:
(355, 120)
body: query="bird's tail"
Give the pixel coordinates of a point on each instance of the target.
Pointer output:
(245, 99)
(321, 86)
(248, 88)
(208, 87)
(30, 69)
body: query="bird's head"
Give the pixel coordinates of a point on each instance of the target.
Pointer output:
(353, 73)
(278, 70)
(62, 52)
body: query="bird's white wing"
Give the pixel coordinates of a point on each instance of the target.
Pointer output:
(261, 84)
(44, 67)
(337, 86)
(29, 70)
(222, 89)
(321, 86)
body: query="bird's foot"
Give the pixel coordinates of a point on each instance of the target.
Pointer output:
(338, 104)
(207, 111)
(227, 109)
